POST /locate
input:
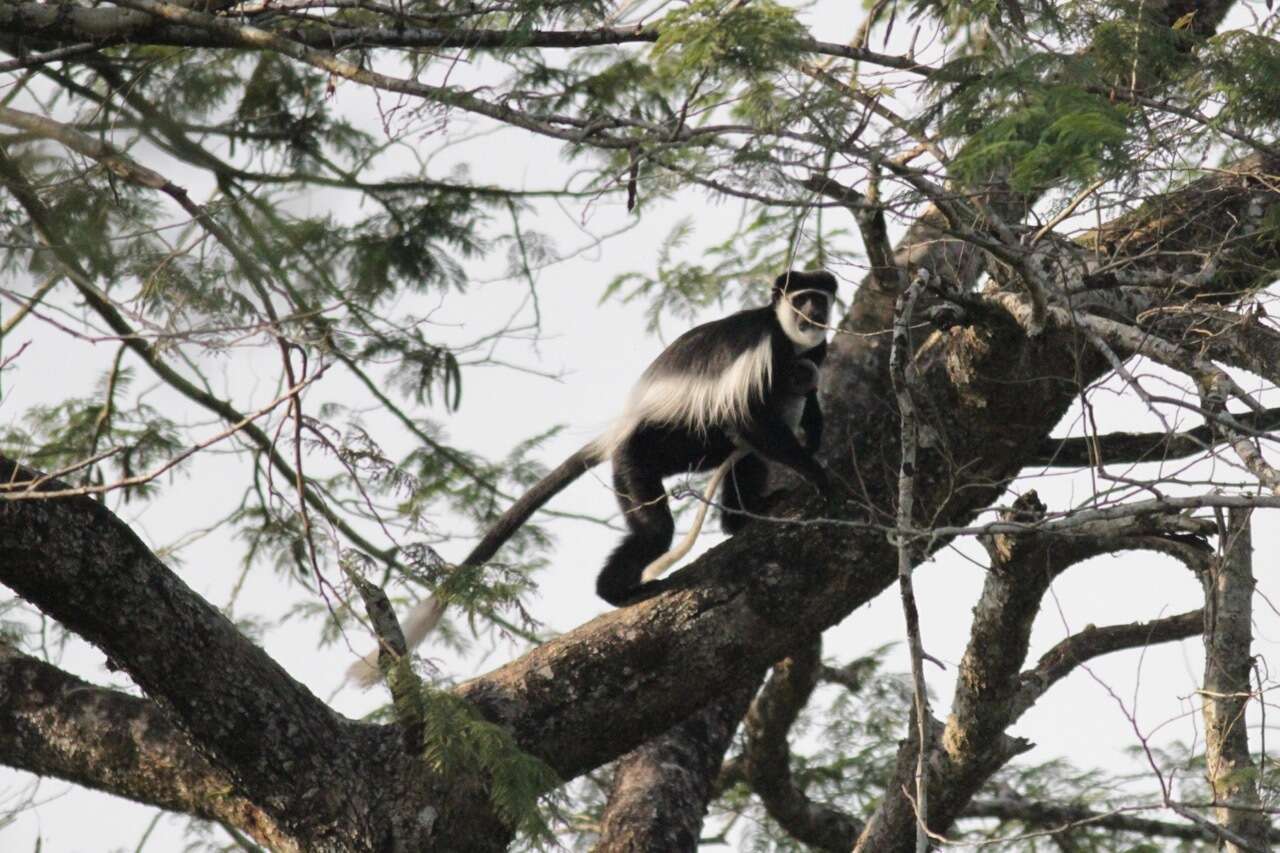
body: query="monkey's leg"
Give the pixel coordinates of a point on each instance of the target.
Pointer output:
(743, 491)
(650, 530)
(658, 567)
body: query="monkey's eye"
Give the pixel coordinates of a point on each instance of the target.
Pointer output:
(813, 304)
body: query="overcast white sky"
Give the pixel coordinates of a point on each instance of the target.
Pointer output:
(598, 350)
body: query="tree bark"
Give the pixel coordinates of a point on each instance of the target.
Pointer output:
(320, 778)
(54, 724)
(1228, 633)
(661, 789)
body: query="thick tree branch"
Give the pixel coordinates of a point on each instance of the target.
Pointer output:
(75, 561)
(54, 724)
(322, 779)
(1128, 447)
(661, 790)
(72, 22)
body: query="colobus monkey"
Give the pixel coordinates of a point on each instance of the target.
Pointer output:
(711, 392)
(799, 385)
(719, 390)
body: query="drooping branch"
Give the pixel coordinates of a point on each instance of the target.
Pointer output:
(54, 724)
(46, 225)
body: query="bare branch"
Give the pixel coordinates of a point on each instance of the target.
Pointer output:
(1057, 816)
(1129, 447)
(898, 368)
(1092, 642)
(54, 724)
(767, 757)
(1228, 634)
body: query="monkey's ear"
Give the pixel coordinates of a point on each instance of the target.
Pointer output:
(780, 285)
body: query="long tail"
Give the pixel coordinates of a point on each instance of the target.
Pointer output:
(420, 622)
(658, 567)
(587, 457)
(424, 617)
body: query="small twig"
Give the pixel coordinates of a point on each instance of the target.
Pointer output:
(32, 60)
(900, 355)
(30, 489)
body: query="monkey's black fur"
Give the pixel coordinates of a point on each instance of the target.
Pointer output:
(707, 407)
(663, 437)
(745, 487)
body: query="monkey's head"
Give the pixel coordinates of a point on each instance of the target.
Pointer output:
(803, 302)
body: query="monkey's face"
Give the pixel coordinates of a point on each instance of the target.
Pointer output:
(805, 315)
(812, 308)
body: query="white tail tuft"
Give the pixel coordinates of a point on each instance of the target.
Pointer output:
(418, 625)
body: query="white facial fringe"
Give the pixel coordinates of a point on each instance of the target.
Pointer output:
(788, 316)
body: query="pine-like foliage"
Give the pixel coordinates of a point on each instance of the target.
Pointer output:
(262, 261)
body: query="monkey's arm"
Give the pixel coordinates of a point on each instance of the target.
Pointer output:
(771, 437)
(811, 422)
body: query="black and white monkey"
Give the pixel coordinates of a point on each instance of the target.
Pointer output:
(802, 381)
(718, 388)
(735, 390)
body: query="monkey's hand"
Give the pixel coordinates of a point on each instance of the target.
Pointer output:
(821, 481)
